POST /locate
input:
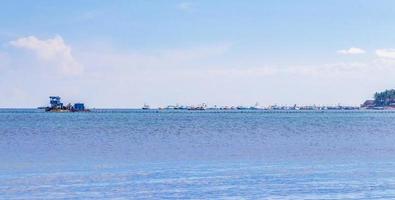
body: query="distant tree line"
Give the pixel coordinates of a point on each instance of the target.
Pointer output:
(384, 98)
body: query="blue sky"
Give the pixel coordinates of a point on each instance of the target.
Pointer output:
(126, 53)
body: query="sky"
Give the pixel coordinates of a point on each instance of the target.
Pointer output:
(124, 53)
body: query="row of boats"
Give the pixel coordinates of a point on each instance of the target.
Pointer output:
(255, 107)
(178, 107)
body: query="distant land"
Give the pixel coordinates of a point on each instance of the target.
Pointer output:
(382, 100)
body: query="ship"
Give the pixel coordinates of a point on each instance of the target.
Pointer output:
(57, 106)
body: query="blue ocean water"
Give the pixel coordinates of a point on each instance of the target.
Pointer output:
(135, 154)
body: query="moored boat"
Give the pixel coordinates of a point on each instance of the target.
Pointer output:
(57, 106)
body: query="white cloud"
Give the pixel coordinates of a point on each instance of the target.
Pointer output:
(184, 6)
(53, 51)
(351, 51)
(386, 53)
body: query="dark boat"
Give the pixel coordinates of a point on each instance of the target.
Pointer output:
(57, 106)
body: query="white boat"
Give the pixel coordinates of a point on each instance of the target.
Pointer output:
(146, 107)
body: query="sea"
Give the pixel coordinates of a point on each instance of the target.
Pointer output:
(171, 154)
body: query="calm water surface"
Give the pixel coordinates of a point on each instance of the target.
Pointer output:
(131, 154)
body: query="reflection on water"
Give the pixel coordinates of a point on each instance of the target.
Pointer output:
(201, 155)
